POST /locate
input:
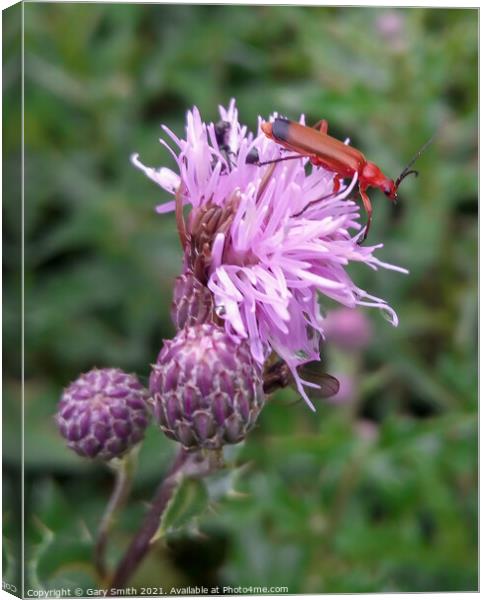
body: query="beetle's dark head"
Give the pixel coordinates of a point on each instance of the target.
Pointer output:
(390, 189)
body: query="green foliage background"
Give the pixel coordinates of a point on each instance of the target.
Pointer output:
(379, 494)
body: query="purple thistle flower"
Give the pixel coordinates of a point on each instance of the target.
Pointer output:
(103, 413)
(285, 240)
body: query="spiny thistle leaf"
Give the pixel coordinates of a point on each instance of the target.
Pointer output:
(189, 500)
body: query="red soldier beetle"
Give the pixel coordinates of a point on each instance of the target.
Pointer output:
(332, 154)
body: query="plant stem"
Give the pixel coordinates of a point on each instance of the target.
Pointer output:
(191, 464)
(124, 475)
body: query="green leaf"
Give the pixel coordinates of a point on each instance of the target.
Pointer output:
(189, 500)
(58, 560)
(222, 484)
(60, 550)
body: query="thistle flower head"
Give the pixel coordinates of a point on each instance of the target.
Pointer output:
(267, 241)
(103, 413)
(206, 388)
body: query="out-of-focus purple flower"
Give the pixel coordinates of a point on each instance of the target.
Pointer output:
(368, 431)
(346, 391)
(390, 26)
(347, 328)
(282, 237)
(103, 413)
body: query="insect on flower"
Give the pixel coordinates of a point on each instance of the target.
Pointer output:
(222, 130)
(278, 375)
(267, 245)
(332, 154)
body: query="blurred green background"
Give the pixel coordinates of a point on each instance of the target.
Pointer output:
(376, 492)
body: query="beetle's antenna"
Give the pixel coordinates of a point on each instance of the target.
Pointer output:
(407, 171)
(253, 159)
(404, 174)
